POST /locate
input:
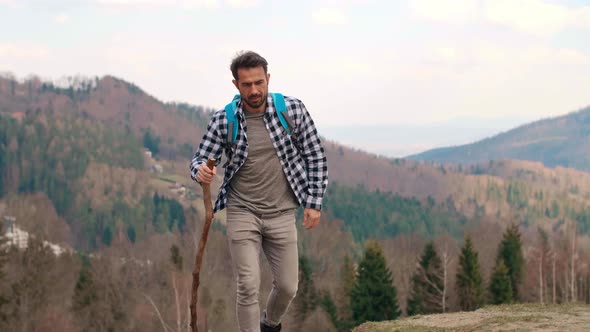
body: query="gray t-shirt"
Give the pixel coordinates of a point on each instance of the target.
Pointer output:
(260, 185)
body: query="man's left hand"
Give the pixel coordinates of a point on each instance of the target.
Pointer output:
(311, 218)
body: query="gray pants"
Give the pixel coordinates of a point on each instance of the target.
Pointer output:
(277, 235)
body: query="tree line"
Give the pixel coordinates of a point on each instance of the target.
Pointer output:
(50, 153)
(142, 287)
(369, 291)
(383, 214)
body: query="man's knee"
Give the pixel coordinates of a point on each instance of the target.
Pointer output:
(287, 288)
(248, 290)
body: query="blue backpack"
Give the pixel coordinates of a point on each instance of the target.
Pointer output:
(232, 121)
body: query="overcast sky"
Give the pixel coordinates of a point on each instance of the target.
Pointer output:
(350, 61)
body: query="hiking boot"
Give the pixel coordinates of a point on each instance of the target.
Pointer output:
(266, 328)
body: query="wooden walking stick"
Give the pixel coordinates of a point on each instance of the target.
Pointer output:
(202, 243)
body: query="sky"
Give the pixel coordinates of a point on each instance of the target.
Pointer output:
(352, 62)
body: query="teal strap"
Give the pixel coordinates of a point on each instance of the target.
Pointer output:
(232, 121)
(279, 101)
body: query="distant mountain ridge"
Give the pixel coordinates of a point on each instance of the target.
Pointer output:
(403, 139)
(559, 141)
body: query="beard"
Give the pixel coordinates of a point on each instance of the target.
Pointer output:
(255, 104)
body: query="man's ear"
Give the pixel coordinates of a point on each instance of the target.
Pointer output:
(235, 84)
(267, 78)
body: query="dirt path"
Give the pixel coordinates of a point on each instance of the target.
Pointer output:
(518, 317)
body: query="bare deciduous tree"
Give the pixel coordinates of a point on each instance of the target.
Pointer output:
(573, 257)
(440, 295)
(542, 251)
(401, 254)
(553, 281)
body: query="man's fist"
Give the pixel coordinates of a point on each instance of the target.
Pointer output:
(311, 218)
(205, 175)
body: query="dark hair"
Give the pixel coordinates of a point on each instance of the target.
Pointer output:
(247, 59)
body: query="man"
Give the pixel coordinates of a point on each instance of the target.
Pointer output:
(268, 174)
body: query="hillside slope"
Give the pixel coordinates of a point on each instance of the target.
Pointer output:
(83, 144)
(560, 141)
(114, 102)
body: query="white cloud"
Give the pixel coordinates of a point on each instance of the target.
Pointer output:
(191, 4)
(530, 16)
(133, 2)
(486, 53)
(329, 16)
(12, 4)
(449, 54)
(581, 17)
(150, 4)
(22, 51)
(243, 3)
(448, 11)
(542, 56)
(499, 56)
(573, 57)
(62, 18)
(188, 4)
(536, 17)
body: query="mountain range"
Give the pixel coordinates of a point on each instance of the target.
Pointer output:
(559, 141)
(99, 167)
(94, 131)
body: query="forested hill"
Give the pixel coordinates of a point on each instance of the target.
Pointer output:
(560, 141)
(113, 102)
(100, 167)
(82, 146)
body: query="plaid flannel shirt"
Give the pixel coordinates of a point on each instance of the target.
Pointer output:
(301, 154)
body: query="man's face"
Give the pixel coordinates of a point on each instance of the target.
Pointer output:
(253, 86)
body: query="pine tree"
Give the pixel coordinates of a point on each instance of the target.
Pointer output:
(510, 251)
(469, 279)
(415, 305)
(175, 257)
(427, 284)
(500, 284)
(98, 301)
(307, 297)
(347, 278)
(3, 260)
(373, 296)
(85, 289)
(32, 289)
(329, 307)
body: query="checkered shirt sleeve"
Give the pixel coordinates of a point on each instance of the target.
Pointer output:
(211, 144)
(313, 155)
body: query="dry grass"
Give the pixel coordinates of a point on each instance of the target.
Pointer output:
(519, 317)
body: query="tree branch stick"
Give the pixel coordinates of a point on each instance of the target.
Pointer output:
(201, 251)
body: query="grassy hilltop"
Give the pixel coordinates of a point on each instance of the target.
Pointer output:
(517, 317)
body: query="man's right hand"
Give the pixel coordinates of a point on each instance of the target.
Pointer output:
(205, 175)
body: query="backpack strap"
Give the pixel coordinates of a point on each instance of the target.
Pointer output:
(279, 101)
(232, 121)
